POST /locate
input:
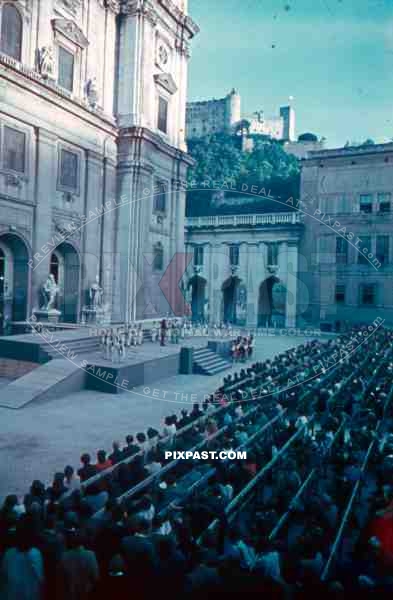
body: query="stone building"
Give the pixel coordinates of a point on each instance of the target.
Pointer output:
(244, 266)
(225, 115)
(346, 270)
(92, 116)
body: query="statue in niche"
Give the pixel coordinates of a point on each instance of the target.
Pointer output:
(46, 61)
(92, 92)
(96, 294)
(50, 290)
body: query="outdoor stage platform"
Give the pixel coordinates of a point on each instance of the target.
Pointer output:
(43, 367)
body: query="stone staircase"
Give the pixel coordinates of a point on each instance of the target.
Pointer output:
(207, 362)
(85, 345)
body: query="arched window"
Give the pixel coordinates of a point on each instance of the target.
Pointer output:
(11, 32)
(158, 263)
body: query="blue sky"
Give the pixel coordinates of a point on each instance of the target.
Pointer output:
(335, 57)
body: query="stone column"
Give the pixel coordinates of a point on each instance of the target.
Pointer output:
(283, 261)
(217, 264)
(122, 292)
(45, 191)
(292, 268)
(133, 247)
(107, 257)
(144, 190)
(91, 232)
(253, 272)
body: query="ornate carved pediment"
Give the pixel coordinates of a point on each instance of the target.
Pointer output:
(166, 81)
(70, 5)
(68, 229)
(70, 30)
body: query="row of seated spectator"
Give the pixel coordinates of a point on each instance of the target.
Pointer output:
(136, 523)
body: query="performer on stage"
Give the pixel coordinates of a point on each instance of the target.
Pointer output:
(140, 335)
(154, 332)
(163, 331)
(108, 345)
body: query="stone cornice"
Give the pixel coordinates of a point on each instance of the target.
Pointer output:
(142, 8)
(113, 5)
(22, 75)
(143, 134)
(146, 8)
(180, 17)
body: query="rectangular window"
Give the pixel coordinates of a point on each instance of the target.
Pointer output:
(384, 202)
(160, 198)
(198, 256)
(234, 255)
(366, 203)
(14, 150)
(341, 251)
(272, 254)
(368, 294)
(363, 249)
(66, 69)
(340, 294)
(162, 114)
(68, 169)
(382, 249)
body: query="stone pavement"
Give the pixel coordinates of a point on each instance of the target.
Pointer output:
(40, 439)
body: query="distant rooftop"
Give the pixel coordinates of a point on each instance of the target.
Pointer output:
(351, 151)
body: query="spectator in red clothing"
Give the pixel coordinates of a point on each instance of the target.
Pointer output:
(102, 461)
(381, 527)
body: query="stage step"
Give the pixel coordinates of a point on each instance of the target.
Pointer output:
(207, 362)
(72, 347)
(51, 380)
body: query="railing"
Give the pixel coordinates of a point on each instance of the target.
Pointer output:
(283, 519)
(145, 483)
(291, 218)
(243, 497)
(348, 510)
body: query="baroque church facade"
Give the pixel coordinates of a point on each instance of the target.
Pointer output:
(92, 152)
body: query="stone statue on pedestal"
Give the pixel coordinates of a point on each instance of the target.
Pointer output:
(96, 294)
(51, 290)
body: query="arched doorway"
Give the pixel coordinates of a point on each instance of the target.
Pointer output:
(230, 297)
(197, 285)
(65, 267)
(271, 302)
(14, 279)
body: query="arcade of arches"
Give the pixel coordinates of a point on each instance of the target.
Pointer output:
(16, 302)
(271, 308)
(258, 289)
